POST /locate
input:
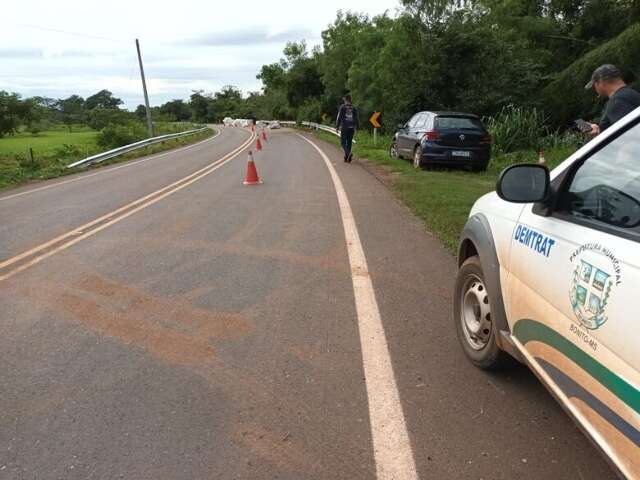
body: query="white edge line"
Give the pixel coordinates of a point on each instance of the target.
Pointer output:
(391, 444)
(108, 170)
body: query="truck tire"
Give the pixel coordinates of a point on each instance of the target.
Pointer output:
(472, 315)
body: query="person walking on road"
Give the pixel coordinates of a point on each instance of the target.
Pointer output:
(607, 82)
(347, 124)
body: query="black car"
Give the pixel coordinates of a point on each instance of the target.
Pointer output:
(443, 138)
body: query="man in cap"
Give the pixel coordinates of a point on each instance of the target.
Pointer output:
(607, 81)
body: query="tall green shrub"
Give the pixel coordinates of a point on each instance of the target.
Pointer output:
(517, 128)
(114, 136)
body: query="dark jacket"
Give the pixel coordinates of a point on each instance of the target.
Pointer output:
(347, 117)
(622, 102)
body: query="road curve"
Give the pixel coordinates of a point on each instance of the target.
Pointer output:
(34, 213)
(215, 334)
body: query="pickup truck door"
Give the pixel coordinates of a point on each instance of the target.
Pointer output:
(571, 293)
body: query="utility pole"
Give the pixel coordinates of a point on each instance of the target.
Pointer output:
(146, 96)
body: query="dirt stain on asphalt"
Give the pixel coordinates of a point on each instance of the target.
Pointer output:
(244, 250)
(170, 329)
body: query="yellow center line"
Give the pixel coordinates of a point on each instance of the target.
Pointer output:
(80, 233)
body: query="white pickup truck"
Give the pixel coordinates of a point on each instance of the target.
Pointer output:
(549, 272)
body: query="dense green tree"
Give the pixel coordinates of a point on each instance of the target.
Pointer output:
(102, 99)
(304, 81)
(199, 106)
(176, 109)
(100, 117)
(435, 13)
(227, 103)
(343, 44)
(72, 110)
(141, 112)
(273, 77)
(12, 112)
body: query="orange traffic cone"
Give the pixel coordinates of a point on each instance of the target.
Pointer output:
(258, 144)
(252, 174)
(264, 134)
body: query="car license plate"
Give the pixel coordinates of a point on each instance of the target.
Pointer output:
(460, 153)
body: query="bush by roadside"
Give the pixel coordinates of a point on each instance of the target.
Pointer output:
(114, 136)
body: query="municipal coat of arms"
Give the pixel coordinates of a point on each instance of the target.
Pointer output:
(590, 292)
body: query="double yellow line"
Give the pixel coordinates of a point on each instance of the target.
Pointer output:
(25, 260)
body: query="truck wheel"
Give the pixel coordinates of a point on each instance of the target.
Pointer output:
(472, 314)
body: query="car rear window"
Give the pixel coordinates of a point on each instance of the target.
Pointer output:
(445, 123)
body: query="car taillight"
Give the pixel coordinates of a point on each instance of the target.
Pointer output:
(486, 138)
(432, 135)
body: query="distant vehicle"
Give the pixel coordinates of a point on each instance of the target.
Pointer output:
(227, 121)
(274, 125)
(549, 270)
(443, 138)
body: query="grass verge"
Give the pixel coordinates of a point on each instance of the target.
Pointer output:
(53, 156)
(48, 142)
(441, 198)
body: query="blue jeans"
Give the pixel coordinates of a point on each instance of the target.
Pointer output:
(346, 139)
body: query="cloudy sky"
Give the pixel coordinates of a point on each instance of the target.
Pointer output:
(58, 48)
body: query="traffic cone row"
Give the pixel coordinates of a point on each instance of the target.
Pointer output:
(252, 177)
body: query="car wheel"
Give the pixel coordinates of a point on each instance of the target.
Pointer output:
(472, 314)
(417, 157)
(393, 151)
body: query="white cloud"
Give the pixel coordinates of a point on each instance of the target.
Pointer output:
(82, 46)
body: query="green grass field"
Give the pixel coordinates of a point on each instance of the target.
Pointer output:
(442, 198)
(54, 149)
(47, 142)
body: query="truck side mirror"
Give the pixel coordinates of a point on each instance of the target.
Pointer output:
(524, 183)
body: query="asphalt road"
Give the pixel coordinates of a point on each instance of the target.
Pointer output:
(211, 331)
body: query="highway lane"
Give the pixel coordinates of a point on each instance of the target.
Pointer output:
(214, 334)
(35, 213)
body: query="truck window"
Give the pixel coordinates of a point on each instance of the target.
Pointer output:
(606, 187)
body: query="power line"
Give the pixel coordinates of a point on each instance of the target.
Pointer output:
(66, 32)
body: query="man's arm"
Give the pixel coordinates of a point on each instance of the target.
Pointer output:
(339, 118)
(613, 112)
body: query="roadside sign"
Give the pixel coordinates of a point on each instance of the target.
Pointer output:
(375, 120)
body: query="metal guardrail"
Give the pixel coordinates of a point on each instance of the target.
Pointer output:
(324, 128)
(101, 157)
(318, 126)
(313, 125)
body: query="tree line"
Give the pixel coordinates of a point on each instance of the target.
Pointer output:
(103, 109)
(489, 57)
(478, 56)
(475, 56)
